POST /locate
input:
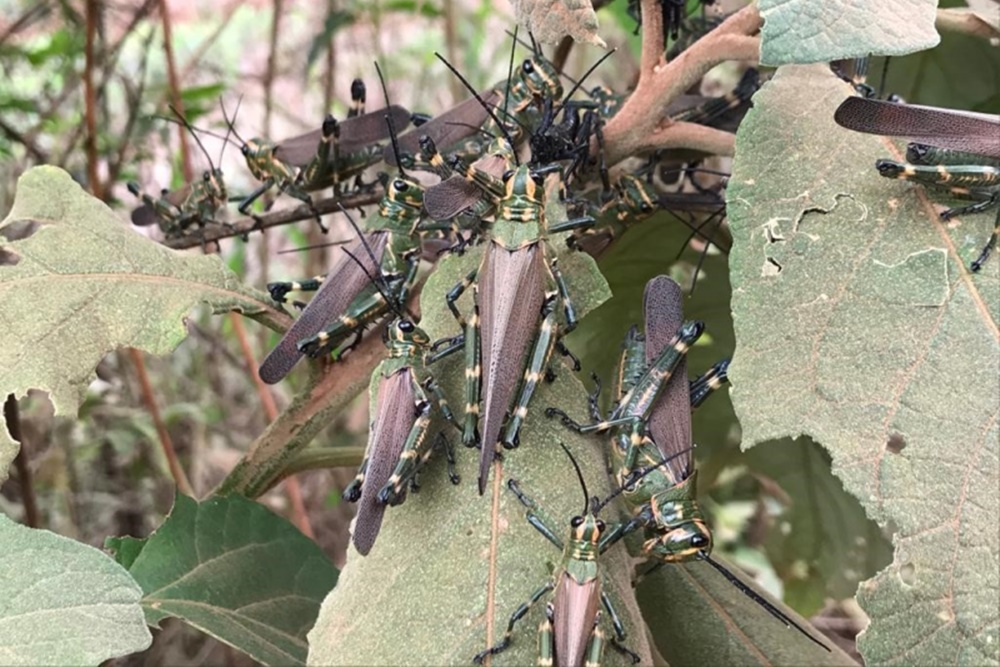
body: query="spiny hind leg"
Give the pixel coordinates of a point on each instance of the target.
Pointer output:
(473, 378)
(353, 491)
(279, 290)
(537, 361)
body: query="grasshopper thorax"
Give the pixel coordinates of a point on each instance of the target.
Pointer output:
(404, 338)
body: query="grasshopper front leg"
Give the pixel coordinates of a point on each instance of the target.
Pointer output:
(514, 618)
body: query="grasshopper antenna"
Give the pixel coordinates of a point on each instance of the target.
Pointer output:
(583, 78)
(229, 123)
(510, 73)
(579, 475)
(229, 128)
(631, 483)
(191, 131)
(482, 102)
(388, 120)
(380, 280)
(313, 247)
(753, 595)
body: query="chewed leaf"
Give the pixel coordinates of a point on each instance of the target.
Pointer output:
(551, 20)
(803, 31)
(77, 283)
(859, 324)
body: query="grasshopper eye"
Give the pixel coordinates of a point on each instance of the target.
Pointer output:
(576, 522)
(699, 541)
(400, 185)
(600, 526)
(406, 326)
(537, 178)
(207, 176)
(528, 67)
(245, 149)
(507, 175)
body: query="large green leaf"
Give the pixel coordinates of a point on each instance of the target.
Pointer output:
(82, 284)
(63, 602)
(235, 570)
(424, 594)
(859, 325)
(806, 31)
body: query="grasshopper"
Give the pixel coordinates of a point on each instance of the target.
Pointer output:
(398, 443)
(178, 211)
(346, 299)
(650, 425)
(319, 158)
(571, 633)
(955, 150)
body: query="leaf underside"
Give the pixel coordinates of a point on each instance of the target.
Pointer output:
(859, 324)
(63, 602)
(84, 284)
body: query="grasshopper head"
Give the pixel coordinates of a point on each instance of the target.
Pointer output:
(405, 191)
(681, 533)
(541, 78)
(404, 334)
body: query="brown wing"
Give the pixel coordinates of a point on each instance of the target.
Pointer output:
(342, 284)
(447, 129)
(450, 197)
(393, 420)
(356, 134)
(145, 215)
(574, 611)
(511, 291)
(670, 419)
(945, 128)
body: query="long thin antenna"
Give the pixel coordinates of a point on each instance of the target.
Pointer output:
(388, 120)
(225, 141)
(753, 595)
(191, 131)
(230, 123)
(585, 75)
(503, 128)
(510, 71)
(579, 474)
(617, 492)
(361, 235)
(313, 247)
(378, 282)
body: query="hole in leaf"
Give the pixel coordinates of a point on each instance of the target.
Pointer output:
(19, 229)
(896, 443)
(771, 268)
(8, 258)
(908, 574)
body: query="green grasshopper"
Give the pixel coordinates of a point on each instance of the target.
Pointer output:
(398, 443)
(321, 158)
(346, 299)
(178, 211)
(571, 633)
(650, 427)
(955, 150)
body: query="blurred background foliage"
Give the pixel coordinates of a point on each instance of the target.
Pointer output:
(778, 512)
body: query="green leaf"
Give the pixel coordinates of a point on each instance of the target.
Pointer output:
(63, 602)
(82, 284)
(235, 570)
(824, 545)
(699, 618)
(804, 31)
(859, 325)
(424, 594)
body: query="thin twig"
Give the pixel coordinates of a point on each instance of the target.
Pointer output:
(176, 471)
(22, 462)
(175, 87)
(90, 101)
(246, 225)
